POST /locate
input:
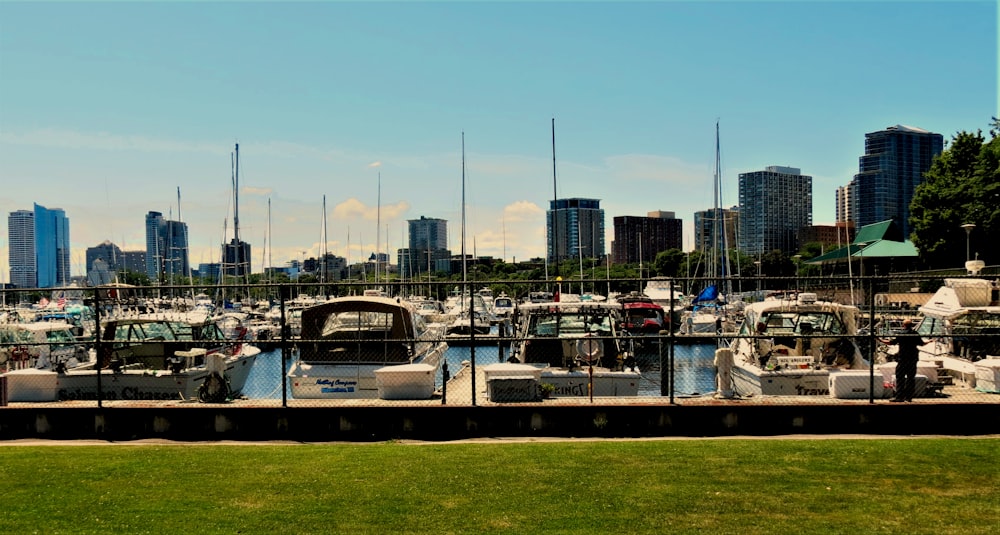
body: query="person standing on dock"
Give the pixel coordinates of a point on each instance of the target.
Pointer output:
(907, 356)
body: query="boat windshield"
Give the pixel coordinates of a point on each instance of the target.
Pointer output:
(141, 332)
(786, 322)
(357, 321)
(572, 324)
(60, 336)
(15, 336)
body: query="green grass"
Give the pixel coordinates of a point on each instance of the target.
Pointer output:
(739, 486)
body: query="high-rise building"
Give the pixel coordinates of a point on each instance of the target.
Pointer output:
(892, 167)
(774, 204)
(134, 261)
(574, 228)
(829, 236)
(236, 258)
(845, 210)
(154, 254)
(166, 248)
(52, 252)
(428, 247)
(640, 239)
(21, 248)
(103, 261)
(175, 249)
(709, 235)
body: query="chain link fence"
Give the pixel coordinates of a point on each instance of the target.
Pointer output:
(754, 340)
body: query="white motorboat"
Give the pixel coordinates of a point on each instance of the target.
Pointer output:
(577, 348)
(961, 322)
(366, 347)
(42, 345)
(471, 314)
(788, 347)
(167, 356)
(503, 306)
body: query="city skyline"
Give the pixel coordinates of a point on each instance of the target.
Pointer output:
(108, 109)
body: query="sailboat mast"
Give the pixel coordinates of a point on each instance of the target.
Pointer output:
(465, 274)
(555, 203)
(378, 222)
(236, 202)
(323, 273)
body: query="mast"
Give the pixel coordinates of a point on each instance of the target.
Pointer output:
(322, 276)
(465, 274)
(267, 240)
(236, 206)
(465, 286)
(378, 223)
(717, 225)
(555, 203)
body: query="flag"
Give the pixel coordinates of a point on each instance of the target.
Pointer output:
(62, 302)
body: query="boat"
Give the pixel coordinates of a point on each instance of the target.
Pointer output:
(790, 347)
(641, 315)
(576, 347)
(432, 310)
(165, 356)
(471, 312)
(961, 322)
(366, 347)
(503, 306)
(44, 344)
(470, 315)
(707, 315)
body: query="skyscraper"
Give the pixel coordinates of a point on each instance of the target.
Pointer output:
(574, 228)
(774, 204)
(707, 237)
(154, 255)
(428, 246)
(103, 262)
(52, 253)
(641, 238)
(236, 258)
(21, 250)
(166, 248)
(892, 167)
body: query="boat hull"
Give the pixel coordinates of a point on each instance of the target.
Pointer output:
(350, 381)
(750, 380)
(129, 385)
(580, 382)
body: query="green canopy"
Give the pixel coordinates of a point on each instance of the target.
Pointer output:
(878, 240)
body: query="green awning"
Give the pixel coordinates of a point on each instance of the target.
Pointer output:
(878, 240)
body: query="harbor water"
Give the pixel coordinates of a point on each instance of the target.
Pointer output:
(694, 373)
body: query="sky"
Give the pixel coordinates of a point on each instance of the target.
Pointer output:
(108, 109)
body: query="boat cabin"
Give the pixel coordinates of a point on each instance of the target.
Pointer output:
(370, 330)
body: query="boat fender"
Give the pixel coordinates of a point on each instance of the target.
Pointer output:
(590, 349)
(215, 389)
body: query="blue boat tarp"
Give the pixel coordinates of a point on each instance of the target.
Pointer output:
(709, 295)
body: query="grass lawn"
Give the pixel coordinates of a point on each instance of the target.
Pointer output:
(744, 486)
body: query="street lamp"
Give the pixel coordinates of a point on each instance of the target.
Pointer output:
(757, 263)
(968, 230)
(797, 258)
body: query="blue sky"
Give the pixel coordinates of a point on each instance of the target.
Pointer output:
(106, 109)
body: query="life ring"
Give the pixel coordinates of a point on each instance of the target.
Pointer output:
(590, 349)
(215, 389)
(880, 300)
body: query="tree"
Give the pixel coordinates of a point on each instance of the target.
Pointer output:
(962, 186)
(670, 263)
